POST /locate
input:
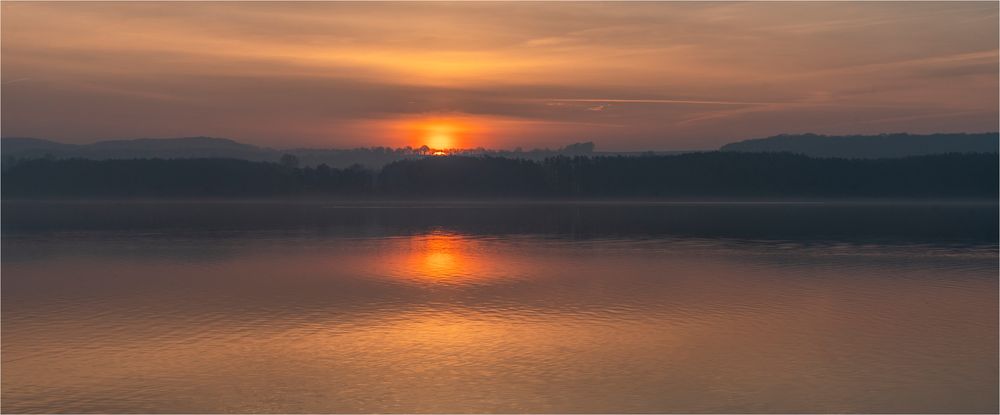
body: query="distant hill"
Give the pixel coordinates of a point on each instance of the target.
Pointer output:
(870, 146)
(33, 147)
(186, 147)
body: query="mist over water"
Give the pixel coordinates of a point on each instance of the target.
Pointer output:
(480, 307)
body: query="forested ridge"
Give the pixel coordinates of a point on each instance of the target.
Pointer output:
(871, 146)
(708, 174)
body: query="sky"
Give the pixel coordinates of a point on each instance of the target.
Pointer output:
(627, 76)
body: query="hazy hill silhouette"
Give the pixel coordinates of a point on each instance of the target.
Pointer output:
(871, 146)
(185, 147)
(27, 147)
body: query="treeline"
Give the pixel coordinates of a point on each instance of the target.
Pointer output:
(15, 148)
(176, 178)
(710, 174)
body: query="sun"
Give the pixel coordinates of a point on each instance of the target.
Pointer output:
(446, 133)
(440, 136)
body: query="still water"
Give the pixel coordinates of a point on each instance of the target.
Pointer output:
(475, 307)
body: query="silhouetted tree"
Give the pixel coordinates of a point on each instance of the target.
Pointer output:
(289, 160)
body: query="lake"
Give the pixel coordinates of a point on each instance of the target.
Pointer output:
(499, 307)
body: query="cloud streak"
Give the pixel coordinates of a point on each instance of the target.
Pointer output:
(656, 101)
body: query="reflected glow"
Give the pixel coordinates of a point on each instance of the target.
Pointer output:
(446, 258)
(440, 256)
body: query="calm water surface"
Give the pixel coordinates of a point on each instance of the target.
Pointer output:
(312, 307)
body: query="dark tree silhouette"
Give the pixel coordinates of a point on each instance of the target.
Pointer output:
(710, 174)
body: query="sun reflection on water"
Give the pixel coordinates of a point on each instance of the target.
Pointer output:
(445, 258)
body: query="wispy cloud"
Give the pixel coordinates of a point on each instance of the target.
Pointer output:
(664, 74)
(655, 101)
(14, 81)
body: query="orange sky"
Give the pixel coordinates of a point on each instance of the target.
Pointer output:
(628, 76)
